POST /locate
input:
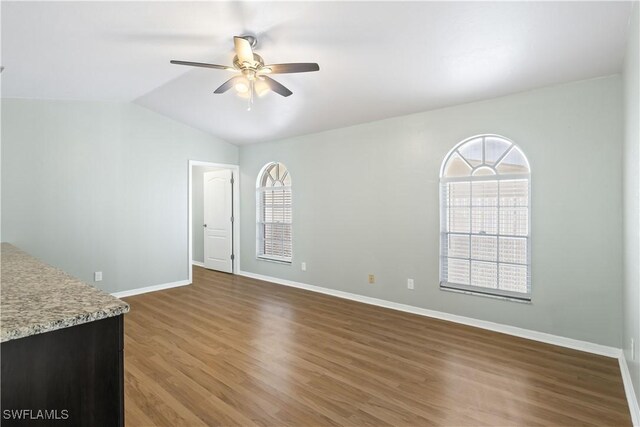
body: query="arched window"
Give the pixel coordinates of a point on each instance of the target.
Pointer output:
(274, 213)
(485, 217)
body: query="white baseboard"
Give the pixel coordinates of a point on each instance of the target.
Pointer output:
(153, 288)
(599, 349)
(634, 408)
(198, 263)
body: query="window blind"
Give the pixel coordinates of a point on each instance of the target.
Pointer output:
(486, 234)
(276, 222)
(274, 240)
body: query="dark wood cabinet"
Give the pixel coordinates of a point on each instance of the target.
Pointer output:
(72, 376)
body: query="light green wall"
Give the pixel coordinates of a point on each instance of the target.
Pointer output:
(631, 292)
(96, 186)
(365, 200)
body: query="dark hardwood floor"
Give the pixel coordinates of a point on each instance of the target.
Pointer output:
(230, 350)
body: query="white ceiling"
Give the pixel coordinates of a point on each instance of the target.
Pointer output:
(377, 59)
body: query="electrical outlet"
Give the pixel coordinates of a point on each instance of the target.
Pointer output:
(409, 283)
(372, 279)
(303, 267)
(97, 276)
(633, 350)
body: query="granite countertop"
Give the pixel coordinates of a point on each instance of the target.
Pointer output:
(37, 298)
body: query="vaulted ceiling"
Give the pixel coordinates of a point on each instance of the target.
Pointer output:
(377, 59)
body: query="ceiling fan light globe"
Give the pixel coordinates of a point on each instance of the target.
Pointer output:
(261, 87)
(242, 87)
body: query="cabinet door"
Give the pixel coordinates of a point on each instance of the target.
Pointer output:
(74, 375)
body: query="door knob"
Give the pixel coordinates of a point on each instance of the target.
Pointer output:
(204, 225)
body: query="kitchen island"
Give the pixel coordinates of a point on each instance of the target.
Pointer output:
(61, 344)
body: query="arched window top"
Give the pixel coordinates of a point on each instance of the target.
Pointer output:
(485, 155)
(274, 175)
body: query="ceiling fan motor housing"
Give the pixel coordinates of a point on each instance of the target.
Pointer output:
(258, 63)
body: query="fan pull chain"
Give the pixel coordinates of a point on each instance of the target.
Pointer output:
(251, 90)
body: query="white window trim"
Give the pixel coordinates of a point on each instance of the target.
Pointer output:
(274, 259)
(478, 290)
(476, 293)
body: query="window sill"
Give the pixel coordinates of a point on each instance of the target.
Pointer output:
(274, 260)
(524, 300)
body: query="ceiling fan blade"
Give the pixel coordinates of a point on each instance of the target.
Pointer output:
(228, 84)
(302, 67)
(202, 64)
(276, 87)
(243, 50)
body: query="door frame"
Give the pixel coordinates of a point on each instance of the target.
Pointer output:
(236, 213)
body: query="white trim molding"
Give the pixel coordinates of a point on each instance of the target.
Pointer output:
(153, 288)
(197, 263)
(634, 408)
(236, 212)
(544, 337)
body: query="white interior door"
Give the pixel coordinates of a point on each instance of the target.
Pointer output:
(218, 224)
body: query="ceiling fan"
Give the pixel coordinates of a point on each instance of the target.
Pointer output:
(253, 78)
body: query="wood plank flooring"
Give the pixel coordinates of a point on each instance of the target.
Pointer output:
(230, 350)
